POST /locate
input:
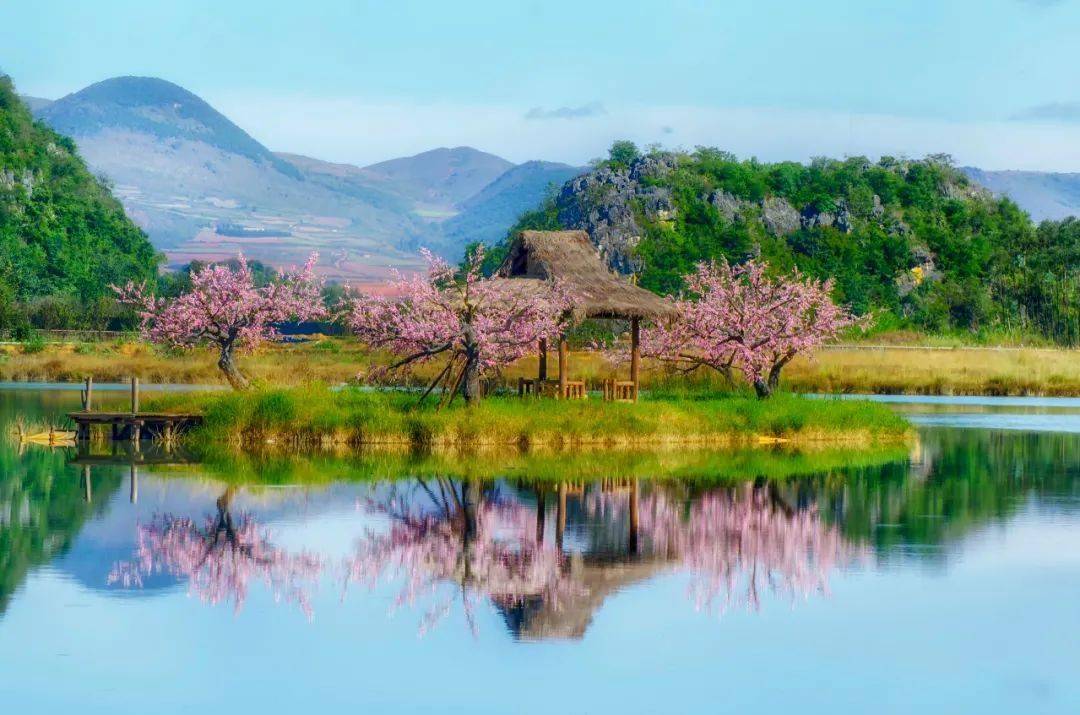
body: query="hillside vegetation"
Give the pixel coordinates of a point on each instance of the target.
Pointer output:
(62, 234)
(915, 241)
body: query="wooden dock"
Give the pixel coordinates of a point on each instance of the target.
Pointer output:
(132, 425)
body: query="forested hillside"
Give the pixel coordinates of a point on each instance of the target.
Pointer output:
(913, 240)
(62, 234)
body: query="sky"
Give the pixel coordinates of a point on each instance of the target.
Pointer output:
(995, 83)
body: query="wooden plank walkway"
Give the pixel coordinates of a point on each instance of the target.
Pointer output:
(133, 425)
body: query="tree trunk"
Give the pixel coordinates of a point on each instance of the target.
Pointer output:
(470, 383)
(232, 374)
(762, 388)
(774, 376)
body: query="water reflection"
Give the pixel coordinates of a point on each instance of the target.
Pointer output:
(476, 540)
(219, 557)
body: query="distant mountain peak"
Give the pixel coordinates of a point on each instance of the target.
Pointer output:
(154, 106)
(443, 176)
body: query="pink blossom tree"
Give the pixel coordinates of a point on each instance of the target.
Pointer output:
(738, 542)
(220, 558)
(226, 309)
(449, 535)
(742, 317)
(475, 324)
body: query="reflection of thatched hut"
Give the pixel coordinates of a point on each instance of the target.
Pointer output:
(535, 620)
(596, 292)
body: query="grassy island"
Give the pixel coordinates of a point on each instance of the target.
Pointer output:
(312, 416)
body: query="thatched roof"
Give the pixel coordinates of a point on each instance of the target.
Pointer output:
(571, 258)
(535, 619)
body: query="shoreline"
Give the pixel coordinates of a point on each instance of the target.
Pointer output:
(318, 417)
(877, 370)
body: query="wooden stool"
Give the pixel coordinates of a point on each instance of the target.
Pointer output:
(575, 390)
(620, 391)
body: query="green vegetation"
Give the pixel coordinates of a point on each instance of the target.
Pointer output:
(315, 415)
(675, 464)
(912, 240)
(63, 237)
(42, 510)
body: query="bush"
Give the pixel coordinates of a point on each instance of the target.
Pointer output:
(34, 345)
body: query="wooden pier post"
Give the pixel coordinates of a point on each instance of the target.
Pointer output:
(88, 395)
(133, 492)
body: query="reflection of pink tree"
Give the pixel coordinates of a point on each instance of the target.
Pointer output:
(739, 542)
(453, 536)
(219, 558)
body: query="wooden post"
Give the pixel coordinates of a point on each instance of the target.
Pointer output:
(133, 492)
(88, 395)
(134, 395)
(563, 356)
(541, 371)
(635, 354)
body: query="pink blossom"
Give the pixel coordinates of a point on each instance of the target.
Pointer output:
(476, 324)
(225, 309)
(737, 543)
(219, 558)
(742, 318)
(482, 548)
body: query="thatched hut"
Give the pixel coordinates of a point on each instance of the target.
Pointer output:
(595, 291)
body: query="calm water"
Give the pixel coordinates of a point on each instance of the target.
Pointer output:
(944, 580)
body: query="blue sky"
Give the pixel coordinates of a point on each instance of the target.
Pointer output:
(995, 82)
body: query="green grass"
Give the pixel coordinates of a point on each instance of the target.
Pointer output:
(686, 465)
(314, 415)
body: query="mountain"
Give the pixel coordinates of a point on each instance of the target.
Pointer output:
(441, 178)
(486, 216)
(203, 188)
(914, 241)
(1044, 195)
(36, 104)
(157, 108)
(61, 231)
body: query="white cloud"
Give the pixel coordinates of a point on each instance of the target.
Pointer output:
(592, 109)
(351, 130)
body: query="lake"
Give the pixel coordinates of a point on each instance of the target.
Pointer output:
(942, 579)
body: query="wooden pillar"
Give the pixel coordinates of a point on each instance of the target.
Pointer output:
(560, 516)
(134, 395)
(541, 371)
(133, 493)
(635, 354)
(634, 517)
(563, 358)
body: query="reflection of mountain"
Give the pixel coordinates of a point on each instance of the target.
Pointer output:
(959, 480)
(42, 509)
